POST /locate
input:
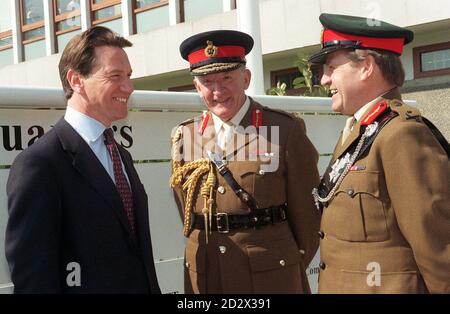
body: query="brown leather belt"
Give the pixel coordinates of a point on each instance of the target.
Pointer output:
(223, 222)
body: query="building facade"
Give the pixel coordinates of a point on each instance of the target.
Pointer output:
(33, 33)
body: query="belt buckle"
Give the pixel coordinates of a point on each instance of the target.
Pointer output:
(222, 223)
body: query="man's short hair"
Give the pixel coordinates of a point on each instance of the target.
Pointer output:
(389, 63)
(79, 54)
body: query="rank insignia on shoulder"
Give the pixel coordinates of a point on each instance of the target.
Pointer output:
(374, 113)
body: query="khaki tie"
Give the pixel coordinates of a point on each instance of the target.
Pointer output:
(225, 133)
(348, 128)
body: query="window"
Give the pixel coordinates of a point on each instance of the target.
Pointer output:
(107, 13)
(67, 21)
(196, 9)
(32, 25)
(105, 10)
(287, 76)
(150, 14)
(432, 60)
(32, 18)
(6, 54)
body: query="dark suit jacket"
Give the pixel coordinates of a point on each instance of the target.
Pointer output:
(64, 208)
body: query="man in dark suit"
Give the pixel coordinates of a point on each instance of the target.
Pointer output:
(78, 215)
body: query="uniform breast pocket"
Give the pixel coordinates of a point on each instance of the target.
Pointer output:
(265, 184)
(357, 212)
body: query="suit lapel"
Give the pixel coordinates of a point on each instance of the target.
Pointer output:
(87, 164)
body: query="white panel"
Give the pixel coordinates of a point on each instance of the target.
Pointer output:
(150, 131)
(165, 221)
(313, 273)
(6, 289)
(4, 270)
(171, 276)
(23, 121)
(324, 130)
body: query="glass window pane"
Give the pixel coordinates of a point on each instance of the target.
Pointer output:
(63, 6)
(152, 19)
(6, 57)
(107, 12)
(34, 33)
(5, 17)
(33, 11)
(196, 9)
(70, 22)
(5, 41)
(34, 50)
(435, 60)
(144, 3)
(63, 39)
(114, 25)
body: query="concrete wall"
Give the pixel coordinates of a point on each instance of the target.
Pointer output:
(433, 100)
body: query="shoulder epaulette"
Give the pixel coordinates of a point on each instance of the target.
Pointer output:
(191, 120)
(374, 113)
(404, 111)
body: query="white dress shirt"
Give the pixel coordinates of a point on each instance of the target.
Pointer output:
(91, 131)
(224, 130)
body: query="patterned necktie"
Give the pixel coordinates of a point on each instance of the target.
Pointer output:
(121, 181)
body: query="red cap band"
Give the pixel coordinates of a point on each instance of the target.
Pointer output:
(391, 44)
(222, 51)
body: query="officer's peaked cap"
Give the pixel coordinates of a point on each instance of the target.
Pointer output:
(353, 32)
(216, 51)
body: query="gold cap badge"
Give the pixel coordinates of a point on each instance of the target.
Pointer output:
(211, 51)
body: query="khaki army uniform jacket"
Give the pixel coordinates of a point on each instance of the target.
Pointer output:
(387, 228)
(268, 259)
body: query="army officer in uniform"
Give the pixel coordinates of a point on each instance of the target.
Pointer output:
(385, 196)
(243, 175)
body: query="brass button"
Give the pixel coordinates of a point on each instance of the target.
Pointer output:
(261, 172)
(350, 191)
(322, 265)
(221, 189)
(321, 234)
(187, 264)
(302, 252)
(222, 249)
(282, 262)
